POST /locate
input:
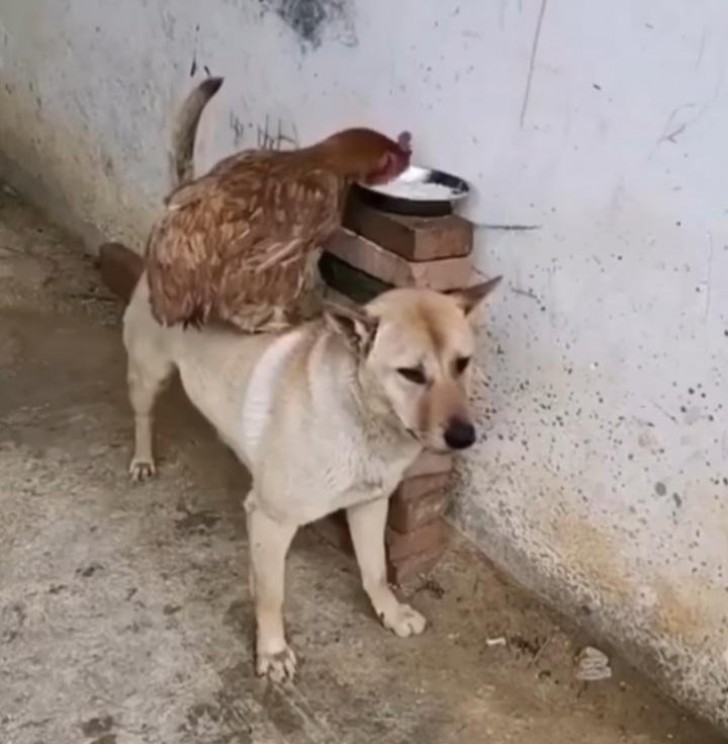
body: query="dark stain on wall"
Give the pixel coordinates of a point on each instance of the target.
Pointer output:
(310, 18)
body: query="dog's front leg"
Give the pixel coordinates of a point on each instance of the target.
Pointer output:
(367, 523)
(269, 543)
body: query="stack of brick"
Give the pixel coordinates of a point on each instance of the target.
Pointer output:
(375, 251)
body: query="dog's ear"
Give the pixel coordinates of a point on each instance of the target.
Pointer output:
(353, 324)
(469, 299)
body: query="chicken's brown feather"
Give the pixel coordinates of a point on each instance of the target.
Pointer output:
(223, 245)
(237, 243)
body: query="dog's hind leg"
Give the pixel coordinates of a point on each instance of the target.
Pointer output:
(269, 543)
(146, 377)
(367, 523)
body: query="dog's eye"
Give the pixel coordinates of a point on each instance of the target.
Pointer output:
(461, 364)
(413, 374)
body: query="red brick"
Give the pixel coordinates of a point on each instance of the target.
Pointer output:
(120, 268)
(404, 544)
(413, 238)
(372, 259)
(413, 488)
(401, 564)
(429, 463)
(408, 514)
(414, 565)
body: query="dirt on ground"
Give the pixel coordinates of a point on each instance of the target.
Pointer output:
(124, 610)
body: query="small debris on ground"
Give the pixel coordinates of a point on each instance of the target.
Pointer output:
(431, 586)
(592, 665)
(490, 642)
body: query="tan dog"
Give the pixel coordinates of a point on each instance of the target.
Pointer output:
(326, 416)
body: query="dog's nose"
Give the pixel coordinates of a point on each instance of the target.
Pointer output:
(459, 434)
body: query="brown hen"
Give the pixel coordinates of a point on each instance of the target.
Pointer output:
(240, 244)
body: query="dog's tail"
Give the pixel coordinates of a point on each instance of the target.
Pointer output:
(182, 155)
(120, 269)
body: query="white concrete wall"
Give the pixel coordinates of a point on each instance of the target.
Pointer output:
(603, 481)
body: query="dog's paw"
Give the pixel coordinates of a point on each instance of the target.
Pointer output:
(141, 470)
(403, 620)
(279, 666)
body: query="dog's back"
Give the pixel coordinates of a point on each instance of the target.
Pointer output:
(284, 403)
(214, 363)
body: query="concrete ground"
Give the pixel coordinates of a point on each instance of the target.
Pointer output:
(124, 611)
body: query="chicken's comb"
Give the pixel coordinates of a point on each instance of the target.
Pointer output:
(405, 141)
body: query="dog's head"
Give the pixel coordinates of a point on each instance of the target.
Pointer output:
(415, 350)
